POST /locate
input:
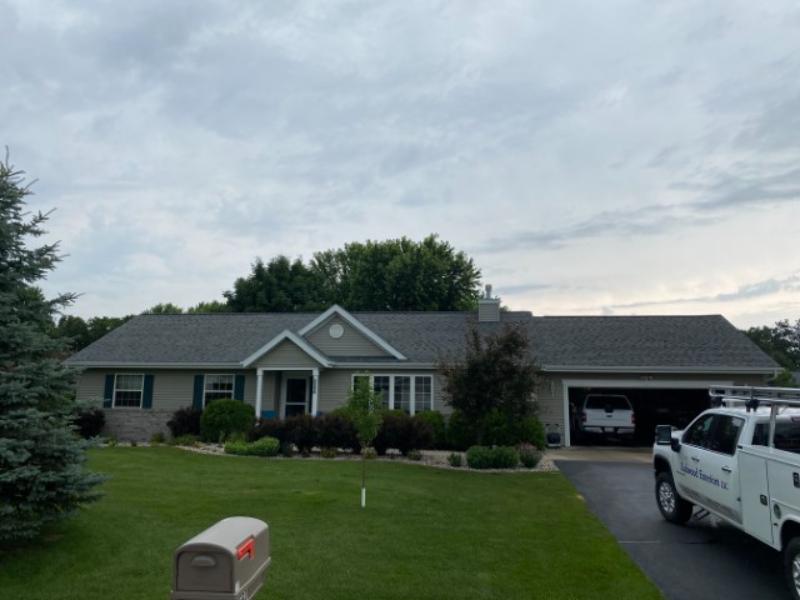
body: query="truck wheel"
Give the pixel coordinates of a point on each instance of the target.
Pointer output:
(791, 566)
(673, 508)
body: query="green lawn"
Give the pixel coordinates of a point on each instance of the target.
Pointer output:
(426, 533)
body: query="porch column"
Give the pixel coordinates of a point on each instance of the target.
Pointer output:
(259, 388)
(315, 392)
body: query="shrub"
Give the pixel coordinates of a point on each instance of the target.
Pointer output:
(223, 418)
(185, 440)
(529, 456)
(336, 430)
(157, 438)
(500, 457)
(185, 421)
(134, 443)
(89, 422)
(328, 452)
(111, 442)
(266, 446)
(414, 455)
(369, 453)
(461, 434)
(455, 459)
(436, 421)
(268, 428)
(404, 433)
(505, 457)
(302, 432)
(501, 430)
(287, 449)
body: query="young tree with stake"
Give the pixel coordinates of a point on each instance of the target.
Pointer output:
(365, 408)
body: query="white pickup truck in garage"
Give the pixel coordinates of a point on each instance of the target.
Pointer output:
(741, 462)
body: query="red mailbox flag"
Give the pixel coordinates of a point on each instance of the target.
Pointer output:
(246, 549)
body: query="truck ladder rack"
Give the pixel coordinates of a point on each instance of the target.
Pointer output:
(754, 396)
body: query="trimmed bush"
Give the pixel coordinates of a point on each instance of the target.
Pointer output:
(266, 446)
(414, 455)
(455, 459)
(302, 432)
(336, 430)
(157, 438)
(500, 457)
(185, 421)
(438, 429)
(223, 418)
(268, 428)
(89, 422)
(529, 456)
(404, 433)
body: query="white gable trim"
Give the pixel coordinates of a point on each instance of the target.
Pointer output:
(356, 324)
(296, 340)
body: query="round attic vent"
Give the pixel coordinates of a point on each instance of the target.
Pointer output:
(336, 331)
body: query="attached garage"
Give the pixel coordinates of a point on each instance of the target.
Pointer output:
(663, 365)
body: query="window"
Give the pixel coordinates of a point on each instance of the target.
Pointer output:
(607, 403)
(423, 393)
(698, 433)
(409, 393)
(128, 391)
(726, 434)
(217, 387)
(382, 384)
(787, 435)
(402, 393)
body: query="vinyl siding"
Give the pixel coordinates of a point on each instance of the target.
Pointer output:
(172, 389)
(352, 342)
(334, 386)
(286, 354)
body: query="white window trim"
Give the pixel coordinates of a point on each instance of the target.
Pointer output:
(205, 391)
(391, 376)
(114, 393)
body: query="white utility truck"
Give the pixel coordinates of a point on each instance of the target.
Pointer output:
(608, 414)
(741, 462)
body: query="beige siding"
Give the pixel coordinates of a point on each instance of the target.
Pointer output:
(352, 342)
(286, 354)
(173, 388)
(550, 393)
(334, 385)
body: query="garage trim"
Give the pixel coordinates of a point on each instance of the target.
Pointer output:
(677, 384)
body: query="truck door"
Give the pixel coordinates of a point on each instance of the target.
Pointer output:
(708, 473)
(719, 467)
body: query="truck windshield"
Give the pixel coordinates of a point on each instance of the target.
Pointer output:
(787, 435)
(607, 402)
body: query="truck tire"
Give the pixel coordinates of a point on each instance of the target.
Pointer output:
(673, 508)
(791, 566)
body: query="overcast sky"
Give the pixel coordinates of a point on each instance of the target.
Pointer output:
(594, 158)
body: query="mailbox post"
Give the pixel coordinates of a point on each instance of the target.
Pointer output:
(227, 561)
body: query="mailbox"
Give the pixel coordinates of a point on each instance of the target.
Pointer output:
(228, 561)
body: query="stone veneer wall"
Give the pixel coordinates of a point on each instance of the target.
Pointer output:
(136, 425)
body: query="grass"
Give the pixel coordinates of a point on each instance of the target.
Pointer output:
(426, 533)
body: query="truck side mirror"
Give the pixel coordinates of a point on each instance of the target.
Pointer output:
(663, 435)
(675, 443)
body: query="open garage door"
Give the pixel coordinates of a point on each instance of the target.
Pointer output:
(651, 407)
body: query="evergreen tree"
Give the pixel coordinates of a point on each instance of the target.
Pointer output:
(42, 475)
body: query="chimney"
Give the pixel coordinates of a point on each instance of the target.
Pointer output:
(488, 307)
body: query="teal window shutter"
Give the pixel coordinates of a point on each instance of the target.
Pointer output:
(108, 395)
(147, 396)
(238, 388)
(199, 382)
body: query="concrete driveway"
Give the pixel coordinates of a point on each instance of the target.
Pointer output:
(702, 560)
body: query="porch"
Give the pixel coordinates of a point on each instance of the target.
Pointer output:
(286, 391)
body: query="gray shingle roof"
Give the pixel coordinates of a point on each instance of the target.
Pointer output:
(694, 341)
(707, 341)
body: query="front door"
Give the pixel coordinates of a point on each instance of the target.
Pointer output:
(296, 396)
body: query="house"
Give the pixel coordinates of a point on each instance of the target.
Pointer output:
(285, 364)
